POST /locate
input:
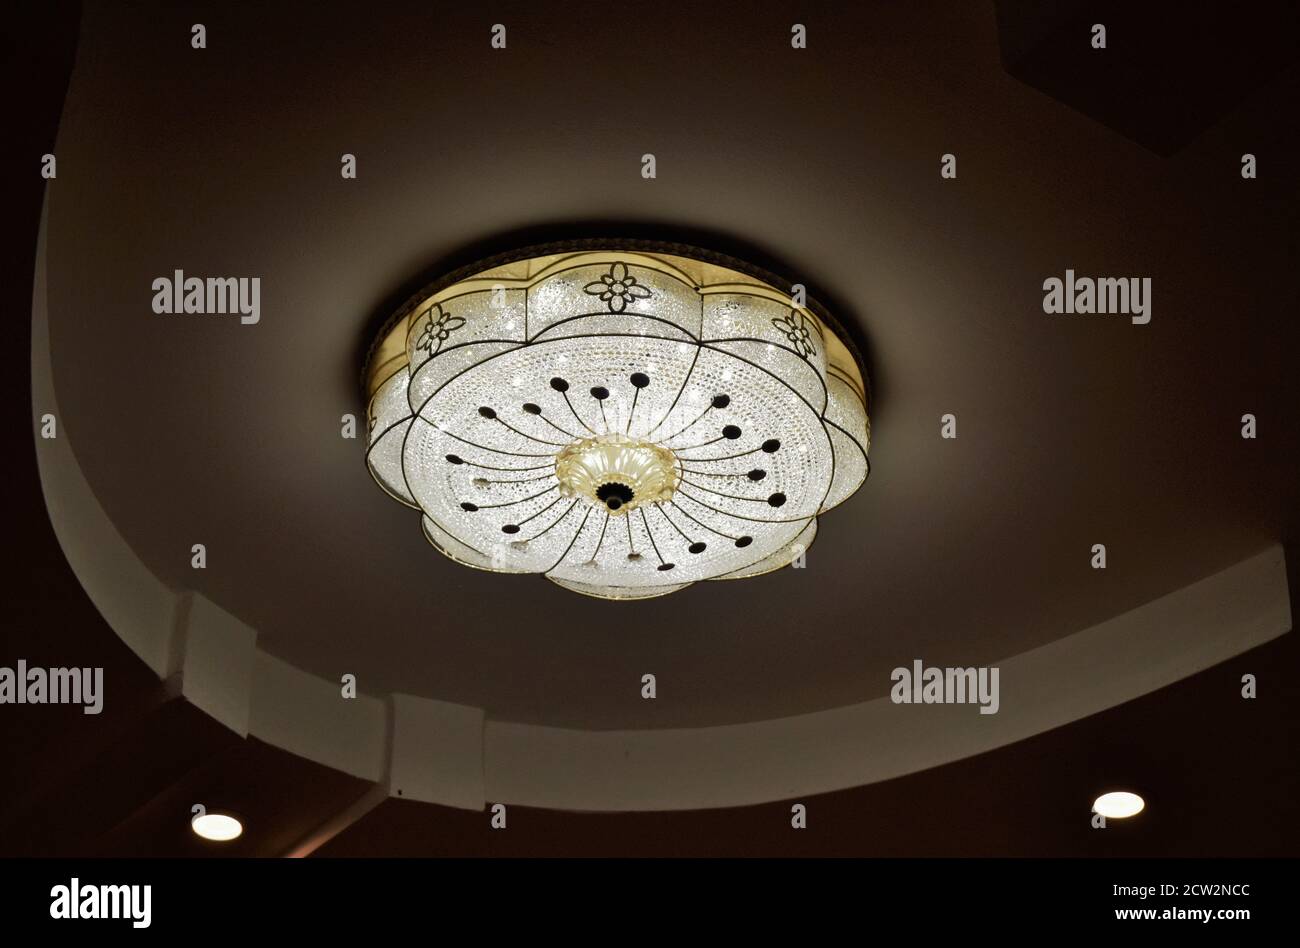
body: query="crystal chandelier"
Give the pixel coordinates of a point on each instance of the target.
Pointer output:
(625, 418)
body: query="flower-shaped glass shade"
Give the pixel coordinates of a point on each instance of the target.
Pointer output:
(625, 422)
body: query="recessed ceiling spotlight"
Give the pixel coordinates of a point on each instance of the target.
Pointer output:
(220, 827)
(624, 418)
(1118, 805)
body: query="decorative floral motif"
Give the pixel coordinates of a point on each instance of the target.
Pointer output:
(437, 327)
(795, 328)
(617, 288)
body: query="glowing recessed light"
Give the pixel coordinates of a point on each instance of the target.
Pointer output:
(217, 826)
(1118, 805)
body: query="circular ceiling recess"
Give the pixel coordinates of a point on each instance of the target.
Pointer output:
(624, 420)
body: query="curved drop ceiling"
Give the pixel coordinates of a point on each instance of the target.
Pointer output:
(823, 165)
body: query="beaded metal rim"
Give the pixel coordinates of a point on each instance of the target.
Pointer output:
(370, 368)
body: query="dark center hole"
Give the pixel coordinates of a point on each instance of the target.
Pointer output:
(614, 495)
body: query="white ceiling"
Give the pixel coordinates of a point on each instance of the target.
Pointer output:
(1072, 430)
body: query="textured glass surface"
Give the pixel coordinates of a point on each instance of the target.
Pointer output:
(847, 425)
(765, 426)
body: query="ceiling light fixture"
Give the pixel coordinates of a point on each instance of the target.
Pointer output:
(1118, 805)
(623, 417)
(219, 827)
